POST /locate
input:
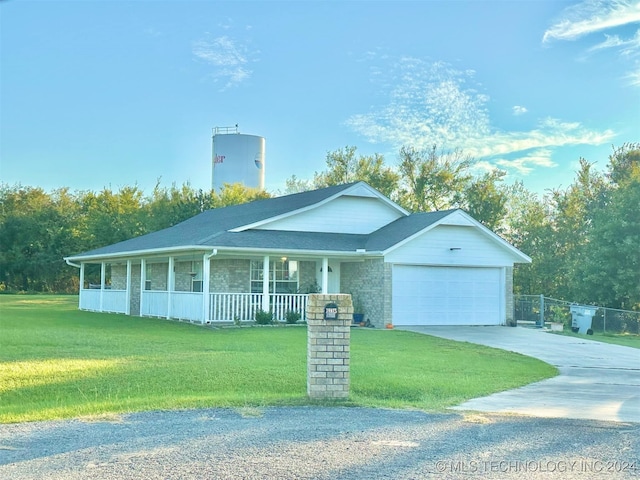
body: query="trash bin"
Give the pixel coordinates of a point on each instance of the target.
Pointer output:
(581, 317)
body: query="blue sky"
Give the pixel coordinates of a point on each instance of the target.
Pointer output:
(98, 93)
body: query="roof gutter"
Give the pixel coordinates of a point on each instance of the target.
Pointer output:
(136, 253)
(71, 264)
(360, 252)
(277, 251)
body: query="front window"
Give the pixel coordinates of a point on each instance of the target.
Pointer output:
(283, 276)
(196, 276)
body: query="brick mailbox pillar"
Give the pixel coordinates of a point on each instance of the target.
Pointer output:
(328, 334)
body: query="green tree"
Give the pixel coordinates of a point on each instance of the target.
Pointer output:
(432, 180)
(112, 217)
(237, 193)
(343, 166)
(572, 212)
(485, 199)
(609, 273)
(624, 164)
(36, 230)
(168, 206)
(528, 227)
(293, 184)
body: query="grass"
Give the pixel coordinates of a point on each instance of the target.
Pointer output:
(624, 339)
(59, 362)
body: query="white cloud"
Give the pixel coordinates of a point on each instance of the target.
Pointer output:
(611, 41)
(634, 78)
(229, 58)
(519, 110)
(628, 47)
(481, 167)
(526, 164)
(435, 104)
(593, 16)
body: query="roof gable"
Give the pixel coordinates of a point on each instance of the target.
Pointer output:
(343, 203)
(395, 233)
(452, 218)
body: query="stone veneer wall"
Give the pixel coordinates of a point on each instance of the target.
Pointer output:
(508, 295)
(328, 349)
(370, 284)
(182, 278)
(119, 277)
(134, 301)
(230, 276)
(157, 274)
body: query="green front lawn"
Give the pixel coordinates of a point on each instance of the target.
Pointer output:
(58, 362)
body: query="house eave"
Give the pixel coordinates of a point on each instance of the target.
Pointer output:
(220, 250)
(138, 253)
(294, 251)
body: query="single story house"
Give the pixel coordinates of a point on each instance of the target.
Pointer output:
(438, 268)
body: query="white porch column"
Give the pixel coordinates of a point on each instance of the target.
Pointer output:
(170, 281)
(81, 285)
(325, 275)
(143, 283)
(127, 307)
(206, 296)
(265, 283)
(103, 276)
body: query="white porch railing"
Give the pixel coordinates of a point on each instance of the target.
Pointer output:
(114, 301)
(186, 306)
(90, 299)
(282, 303)
(226, 307)
(154, 303)
(223, 307)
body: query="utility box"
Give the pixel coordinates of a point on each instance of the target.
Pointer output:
(581, 317)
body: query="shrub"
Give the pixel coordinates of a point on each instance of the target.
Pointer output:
(292, 317)
(263, 318)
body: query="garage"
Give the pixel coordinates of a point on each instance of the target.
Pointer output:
(425, 295)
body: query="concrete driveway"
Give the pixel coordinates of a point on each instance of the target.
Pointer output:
(597, 381)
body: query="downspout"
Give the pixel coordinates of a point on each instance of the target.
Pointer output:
(81, 282)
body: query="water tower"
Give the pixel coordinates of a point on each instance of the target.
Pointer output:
(237, 158)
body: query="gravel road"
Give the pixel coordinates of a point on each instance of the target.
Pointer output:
(318, 443)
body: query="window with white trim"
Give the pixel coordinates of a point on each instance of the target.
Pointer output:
(283, 276)
(196, 276)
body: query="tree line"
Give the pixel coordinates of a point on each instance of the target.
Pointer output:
(38, 228)
(584, 239)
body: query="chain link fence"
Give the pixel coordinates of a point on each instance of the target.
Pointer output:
(541, 311)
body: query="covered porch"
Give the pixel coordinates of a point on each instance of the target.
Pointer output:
(206, 287)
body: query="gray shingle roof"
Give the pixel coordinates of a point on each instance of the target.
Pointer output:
(204, 228)
(402, 228)
(212, 229)
(287, 240)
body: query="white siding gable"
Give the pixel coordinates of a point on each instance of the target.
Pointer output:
(345, 214)
(457, 218)
(471, 248)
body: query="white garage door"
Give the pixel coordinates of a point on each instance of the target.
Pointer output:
(446, 295)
